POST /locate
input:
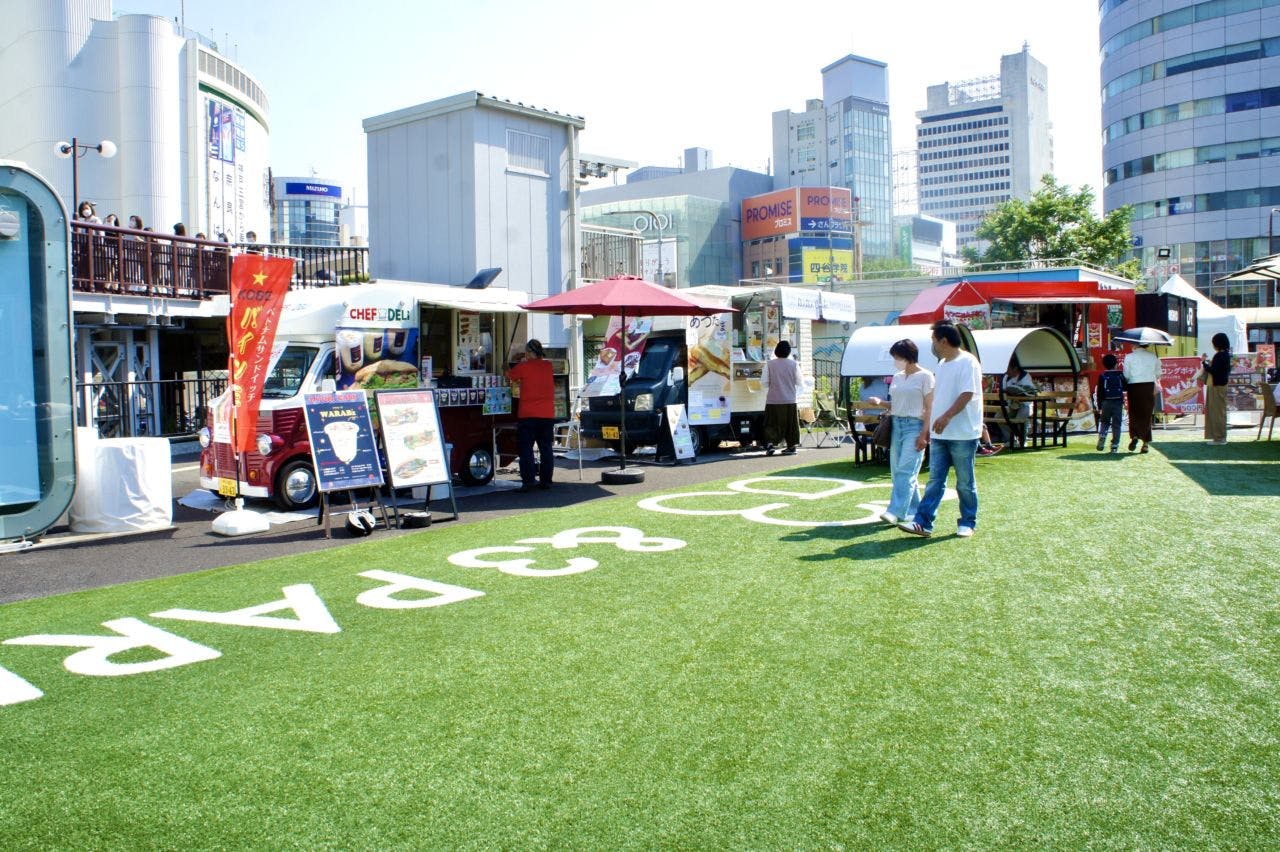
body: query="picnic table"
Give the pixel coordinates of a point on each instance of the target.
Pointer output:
(1051, 412)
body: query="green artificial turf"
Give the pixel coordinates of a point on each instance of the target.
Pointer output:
(1097, 667)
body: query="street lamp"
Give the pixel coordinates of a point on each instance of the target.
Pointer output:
(75, 150)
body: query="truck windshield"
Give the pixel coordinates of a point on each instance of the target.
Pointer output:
(286, 379)
(655, 361)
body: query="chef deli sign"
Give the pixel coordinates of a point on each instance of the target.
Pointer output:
(378, 316)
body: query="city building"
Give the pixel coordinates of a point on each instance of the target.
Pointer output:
(306, 212)
(689, 222)
(473, 182)
(926, 243)
(982, 142)
(190, 127)
(1191, 136)
(844, 140)
(801, 235)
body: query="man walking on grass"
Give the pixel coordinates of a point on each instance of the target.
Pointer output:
(953, 440)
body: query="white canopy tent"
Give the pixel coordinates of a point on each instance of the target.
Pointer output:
(1039, 350)
(867, 352)
(1210, 318)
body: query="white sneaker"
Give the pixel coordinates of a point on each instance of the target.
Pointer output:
(964, 532)
(890, 518)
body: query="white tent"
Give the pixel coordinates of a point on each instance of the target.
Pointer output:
(1210, 318)
(1039, 350)
(867, 352)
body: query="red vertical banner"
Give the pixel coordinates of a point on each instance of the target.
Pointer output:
(258, 287)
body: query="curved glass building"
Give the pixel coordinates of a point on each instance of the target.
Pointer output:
(1191, 136)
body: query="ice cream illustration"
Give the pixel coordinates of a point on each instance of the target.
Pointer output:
(342, 435)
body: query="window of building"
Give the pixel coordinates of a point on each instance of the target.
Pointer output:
(528, 153)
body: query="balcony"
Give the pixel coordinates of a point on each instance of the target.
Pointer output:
(122, 261)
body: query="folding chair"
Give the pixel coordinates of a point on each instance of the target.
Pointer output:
(829, 423)
(567, 435)
(1268, 410)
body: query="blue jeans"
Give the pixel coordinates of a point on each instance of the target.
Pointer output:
(904, 466)
(944, 455)
(1109, 418)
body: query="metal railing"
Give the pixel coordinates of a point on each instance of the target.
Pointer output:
(164, 408)
(318, 266)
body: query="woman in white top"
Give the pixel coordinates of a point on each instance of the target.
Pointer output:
(911, 403)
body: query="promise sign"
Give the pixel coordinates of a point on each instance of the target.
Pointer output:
(258, 285)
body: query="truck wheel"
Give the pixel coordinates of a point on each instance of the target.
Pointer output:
(699, 436)
(296, 486)
(477, 466)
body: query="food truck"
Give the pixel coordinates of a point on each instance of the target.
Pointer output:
(712, 365)
(381, 335)
(1087, 313)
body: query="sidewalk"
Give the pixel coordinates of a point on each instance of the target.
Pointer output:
(189, 545)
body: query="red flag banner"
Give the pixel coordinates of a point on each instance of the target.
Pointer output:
(258, 286)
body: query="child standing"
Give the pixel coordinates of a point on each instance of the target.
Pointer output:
(1110, 402)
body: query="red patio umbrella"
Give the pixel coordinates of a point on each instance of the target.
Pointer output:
(620, 296)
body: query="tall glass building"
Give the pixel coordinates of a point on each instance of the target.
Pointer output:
(306, 212)
(844, 140)
(1191, 136)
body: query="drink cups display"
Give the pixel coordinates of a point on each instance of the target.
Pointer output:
(399, 340)
(373, 343)
(351, 350)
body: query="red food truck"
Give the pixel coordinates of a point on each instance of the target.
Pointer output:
(1087, 313)
(386, 334)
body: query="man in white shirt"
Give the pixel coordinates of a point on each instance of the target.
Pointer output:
(957, 425)
(1141, 372)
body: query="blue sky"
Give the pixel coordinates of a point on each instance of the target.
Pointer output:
(651, 78)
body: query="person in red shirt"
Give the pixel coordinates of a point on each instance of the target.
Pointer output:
(535, 416)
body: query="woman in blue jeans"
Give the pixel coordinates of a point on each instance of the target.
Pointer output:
(910, 402)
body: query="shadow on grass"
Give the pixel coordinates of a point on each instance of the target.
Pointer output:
(861, 542)
(1232, 480)
(1235, 451)
(1107, 456)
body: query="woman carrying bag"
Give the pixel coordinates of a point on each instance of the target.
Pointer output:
(910, 404)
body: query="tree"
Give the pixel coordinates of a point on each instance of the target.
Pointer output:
(1056, 223)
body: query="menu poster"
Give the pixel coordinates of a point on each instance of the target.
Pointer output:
(772, 330)
(343, 447)
(708, 342)
(412, 437)
(604, 379)
(1081, 410)
(974, 316)
(1246, 385)
(1266, 354)
(1095, 335)
(473, 345)
(681, 437)
(497, 400)
(1181, 393)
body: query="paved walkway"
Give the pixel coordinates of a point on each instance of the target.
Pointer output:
(63, 563)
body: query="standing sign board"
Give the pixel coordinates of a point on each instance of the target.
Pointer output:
(412, 437)
(1180, 392)
(1247, 382)
(681, 437)
(342, 441)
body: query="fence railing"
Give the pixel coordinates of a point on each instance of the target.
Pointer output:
(318, 266)
(165, 408)
(108, 259)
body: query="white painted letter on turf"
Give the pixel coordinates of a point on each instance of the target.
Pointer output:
(383, 597)
(96, 658)
(15, 690)
(312, 615)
